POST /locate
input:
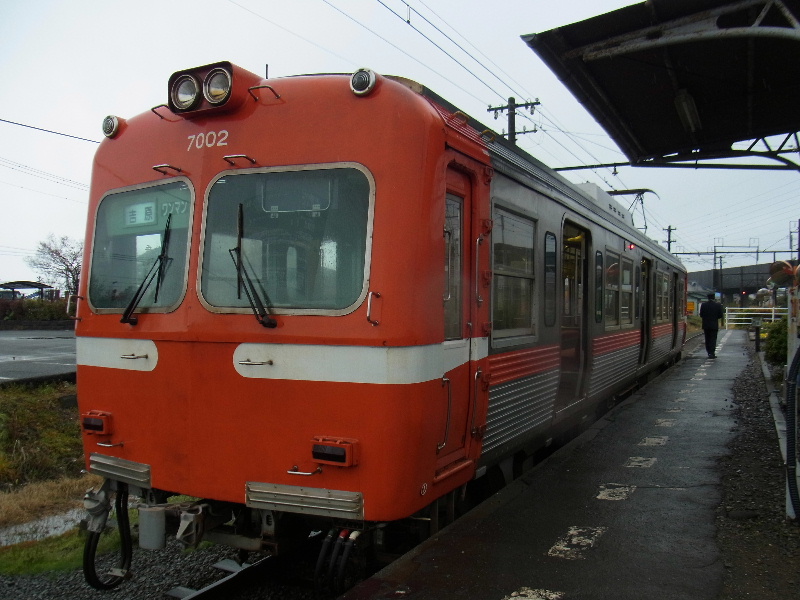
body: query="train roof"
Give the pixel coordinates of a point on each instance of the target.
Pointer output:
(515, 162)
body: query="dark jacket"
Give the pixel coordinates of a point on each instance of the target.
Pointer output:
(711, 313)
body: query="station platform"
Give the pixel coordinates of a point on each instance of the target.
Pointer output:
(625, 511)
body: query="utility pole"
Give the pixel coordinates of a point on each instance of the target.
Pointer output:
(512, 107)
(669, 231)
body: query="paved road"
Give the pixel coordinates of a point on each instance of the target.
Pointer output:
(625, 512)
(35, 353)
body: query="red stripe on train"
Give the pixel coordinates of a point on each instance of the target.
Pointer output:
(616, 341)
(522, 363)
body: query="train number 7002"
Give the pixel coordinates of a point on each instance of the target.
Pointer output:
(208, 140)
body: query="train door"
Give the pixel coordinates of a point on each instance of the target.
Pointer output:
(646, 305)
(574, 313)
(460, 311)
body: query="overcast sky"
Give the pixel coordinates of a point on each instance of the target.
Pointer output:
(66, 65)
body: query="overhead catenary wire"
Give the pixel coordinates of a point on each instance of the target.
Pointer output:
(22, 187)
(476, 76)
(40, 174)
(553, 133)
(74, 137)
(399, 49)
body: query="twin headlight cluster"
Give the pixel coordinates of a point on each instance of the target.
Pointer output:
(210, 88)
(187, 90)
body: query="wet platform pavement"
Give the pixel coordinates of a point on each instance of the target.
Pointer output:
(33, 354)
(625, 511)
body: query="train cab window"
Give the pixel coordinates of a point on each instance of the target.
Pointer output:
(302, 236)
(611, 309)
(141, 242)
(513, 309)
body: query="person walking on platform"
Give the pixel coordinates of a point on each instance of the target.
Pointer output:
(711, 313)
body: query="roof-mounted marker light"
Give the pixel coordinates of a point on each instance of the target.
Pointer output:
(185, 92)
(110, 126)
(363, 82)
(217, 86)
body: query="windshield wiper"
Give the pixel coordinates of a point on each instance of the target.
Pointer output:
(157, 271)
(243, 278)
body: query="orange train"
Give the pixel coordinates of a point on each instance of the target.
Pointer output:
(331, 301)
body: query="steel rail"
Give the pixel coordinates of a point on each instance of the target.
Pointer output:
(239, 577)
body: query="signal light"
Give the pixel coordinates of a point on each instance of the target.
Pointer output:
(96, 422)
(341, 452)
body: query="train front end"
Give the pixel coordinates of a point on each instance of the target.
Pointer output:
(263, 324)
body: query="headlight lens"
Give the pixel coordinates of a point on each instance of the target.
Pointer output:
(217, 86)
(185, 92)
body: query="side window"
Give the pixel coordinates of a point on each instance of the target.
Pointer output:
(662, 297)
(598, 287)
(550, 247)
(626, 293)
(452, 268)
(612, 289)
(670, 296)
(512, 250)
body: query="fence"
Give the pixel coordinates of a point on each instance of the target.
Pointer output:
(744, 316)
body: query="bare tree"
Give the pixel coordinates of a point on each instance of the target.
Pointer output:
(58, 260)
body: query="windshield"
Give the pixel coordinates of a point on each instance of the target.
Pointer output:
(130, 230)
(302, 239)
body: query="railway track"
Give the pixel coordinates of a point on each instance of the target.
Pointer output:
(240, 578)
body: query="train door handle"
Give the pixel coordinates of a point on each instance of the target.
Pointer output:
(473, 430)
(478, 297)
(69, 305)
(369, 307)
(295, 470)
(443, 443)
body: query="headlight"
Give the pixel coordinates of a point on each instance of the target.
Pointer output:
(185, 92)
(217, 86)
(363, 82)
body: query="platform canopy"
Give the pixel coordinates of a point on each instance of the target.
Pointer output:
(688, 82)
(25, 285)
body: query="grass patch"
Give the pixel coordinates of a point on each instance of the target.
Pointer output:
(36, 500)
(57, 553)
(39, 438)
(60, 553)
(41, 457)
